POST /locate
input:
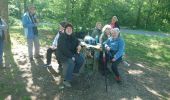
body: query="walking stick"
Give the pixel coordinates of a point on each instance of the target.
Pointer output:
(104, 65)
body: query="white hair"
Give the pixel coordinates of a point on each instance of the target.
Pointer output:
(116, 30)
(106, 27)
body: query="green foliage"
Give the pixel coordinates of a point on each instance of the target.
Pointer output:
(146, 14)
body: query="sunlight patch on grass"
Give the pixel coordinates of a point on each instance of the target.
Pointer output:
(57, 97)
(9, 97)
(137, 98)
(156, 56)
(135, 72)
(140, 65)
(154, 92)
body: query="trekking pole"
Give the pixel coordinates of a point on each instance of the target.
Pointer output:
(104, 63)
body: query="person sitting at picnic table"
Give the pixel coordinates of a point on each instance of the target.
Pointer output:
(104, 36)
(53, 48)
(115, 45)
(68, 52)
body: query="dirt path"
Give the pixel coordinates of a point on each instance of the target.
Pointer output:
(140, 82)
(147, 33)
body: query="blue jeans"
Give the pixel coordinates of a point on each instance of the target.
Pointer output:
(70, 66)
(1, 51)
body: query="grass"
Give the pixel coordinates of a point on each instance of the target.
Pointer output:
(46, 37)
(152, 50)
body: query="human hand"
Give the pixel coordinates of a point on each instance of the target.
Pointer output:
(73, 58)
(108, 48)
(78, 49)
(53, 47)
(113, 60)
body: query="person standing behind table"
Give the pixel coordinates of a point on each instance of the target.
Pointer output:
(30, 23)
(114, 22)
(3, 30)
(115, 45)
(53, 48)
(68, 51)
(97, 31)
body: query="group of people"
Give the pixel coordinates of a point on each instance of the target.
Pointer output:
(112, 45)
(67, 47)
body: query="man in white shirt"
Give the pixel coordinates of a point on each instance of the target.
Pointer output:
(53, 48)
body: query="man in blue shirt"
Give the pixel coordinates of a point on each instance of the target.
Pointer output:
(30, 23)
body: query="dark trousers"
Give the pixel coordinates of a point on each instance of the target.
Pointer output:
(49, 54)
(102, 66)
(115, 66)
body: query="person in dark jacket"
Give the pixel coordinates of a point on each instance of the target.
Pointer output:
(97, 31)
(114, 22)
(68, 52)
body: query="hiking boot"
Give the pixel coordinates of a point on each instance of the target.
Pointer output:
(118, 80)
(67, 83)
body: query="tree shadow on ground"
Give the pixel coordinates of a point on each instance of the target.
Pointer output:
(47, 82)
(12, 84)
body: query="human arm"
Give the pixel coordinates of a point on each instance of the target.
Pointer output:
(27, 23)
(120, 52)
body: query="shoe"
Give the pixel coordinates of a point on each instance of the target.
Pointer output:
(118, 79)
(67, 83)
(31, 59)
(47, 65)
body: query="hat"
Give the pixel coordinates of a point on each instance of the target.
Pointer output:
(30, 6)
(63, 24)
(69, 25)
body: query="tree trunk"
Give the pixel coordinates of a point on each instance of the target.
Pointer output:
(4, 14)
(140, 3)
(149, 13)
(32, 1)
(25, 5)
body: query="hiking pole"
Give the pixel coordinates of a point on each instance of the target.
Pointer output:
(104, 65)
